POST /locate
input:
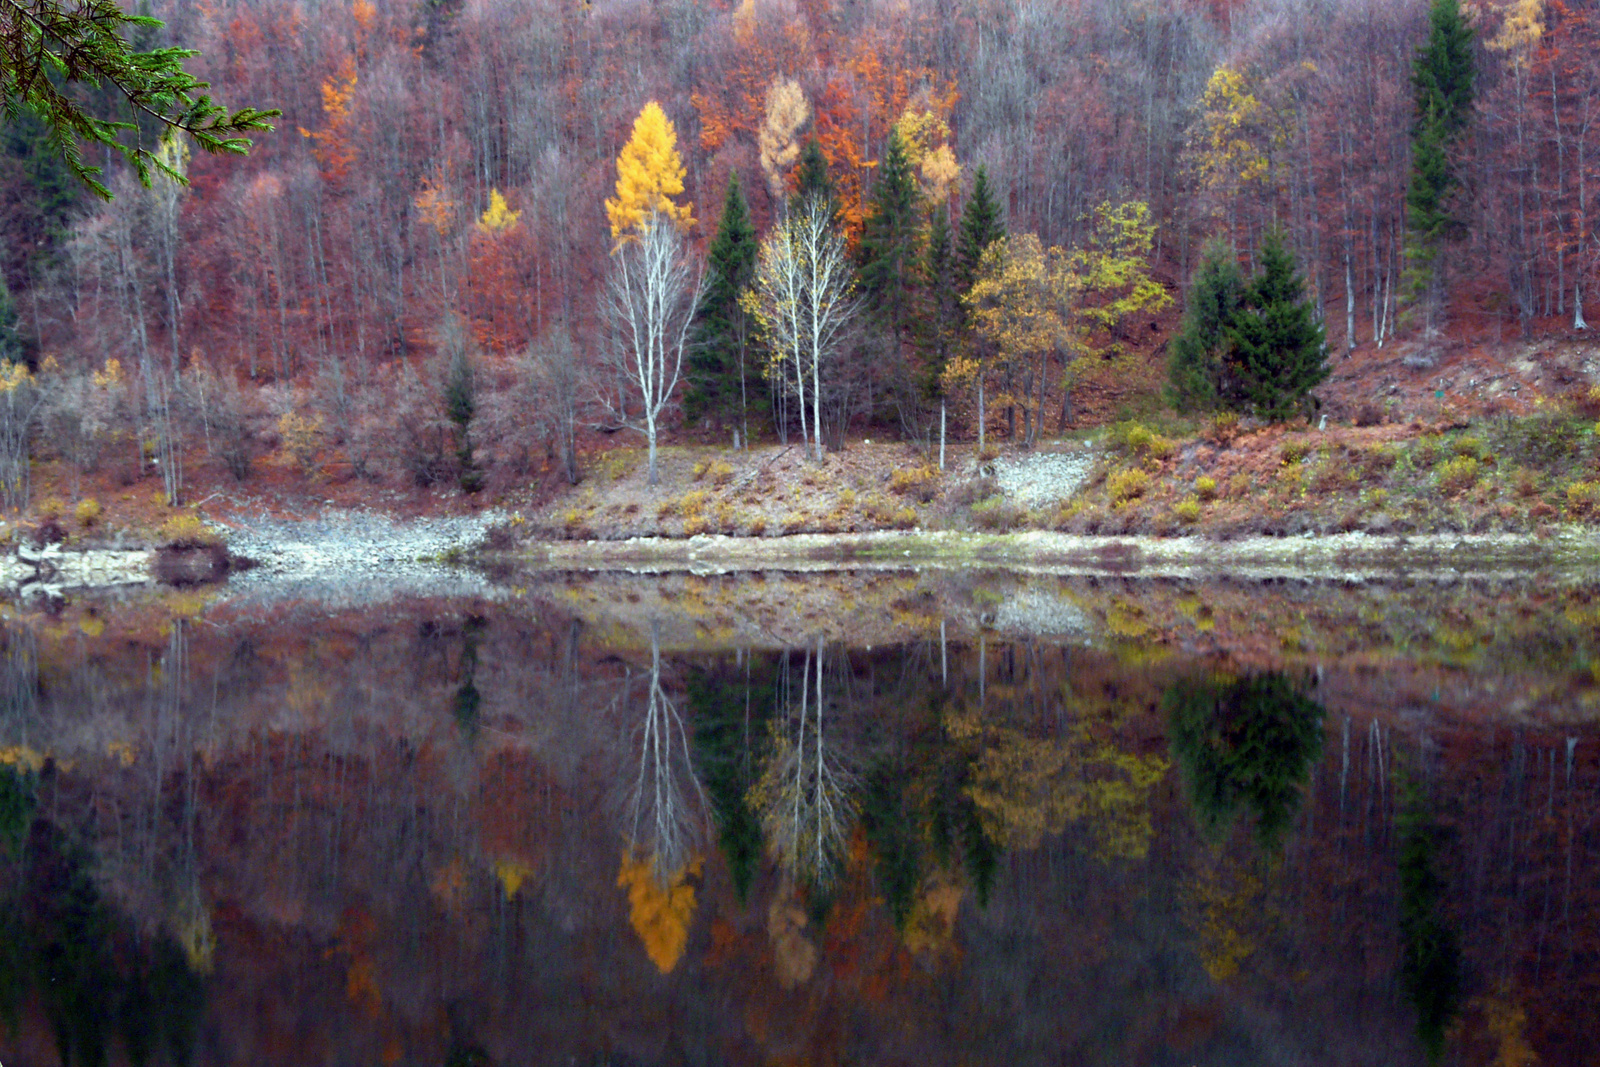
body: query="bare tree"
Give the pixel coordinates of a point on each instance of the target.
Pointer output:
(653, 290)
(803, 299)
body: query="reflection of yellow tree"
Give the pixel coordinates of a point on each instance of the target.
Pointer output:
(931, 926)
(794, 955)
(1027, 788)
(662, 831)
(1224, 910)
(1507, 1022)
(659, 910)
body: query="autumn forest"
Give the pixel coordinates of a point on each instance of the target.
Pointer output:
(435, 196)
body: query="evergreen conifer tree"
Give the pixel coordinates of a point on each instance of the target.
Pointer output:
(1442, 78)
(717, 364)
(811, 179)
(1279, 353)
(981, 226)
(1197, 365)
(890, 239)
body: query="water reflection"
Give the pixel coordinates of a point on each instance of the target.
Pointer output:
(281, 841)
(1245, 743)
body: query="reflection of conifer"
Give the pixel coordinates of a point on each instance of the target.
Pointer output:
(1248, 743)
(1430, 970)
(730, 709)
(890, 822)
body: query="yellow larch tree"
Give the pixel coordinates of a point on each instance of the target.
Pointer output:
(498, 218)
(649, 175)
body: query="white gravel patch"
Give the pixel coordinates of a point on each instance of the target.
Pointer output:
(1043, 477)
(353, 544)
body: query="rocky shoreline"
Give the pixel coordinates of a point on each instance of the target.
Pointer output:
(347, 548)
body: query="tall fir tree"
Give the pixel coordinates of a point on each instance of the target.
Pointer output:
(890, 248)
(1442, 77)
(1198, 362)
(981, 226)
(1278, 353)
(718, 364)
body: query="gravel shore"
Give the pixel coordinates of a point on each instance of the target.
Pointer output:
(353, 544)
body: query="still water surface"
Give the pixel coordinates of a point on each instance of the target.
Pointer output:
(675, 821)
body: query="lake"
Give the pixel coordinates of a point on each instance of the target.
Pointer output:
(890, 817)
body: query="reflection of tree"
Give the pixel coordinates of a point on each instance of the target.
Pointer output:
(1245, 742)
(662, 830)
(803, 793)
(1430, 970)
(94, 973)
(661, 821)
(467, 698)
(730, 711)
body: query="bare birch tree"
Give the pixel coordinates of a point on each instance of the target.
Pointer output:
(653, 290)
(802, 299)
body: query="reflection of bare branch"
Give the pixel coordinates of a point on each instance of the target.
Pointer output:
(660, 817)
(803, 793)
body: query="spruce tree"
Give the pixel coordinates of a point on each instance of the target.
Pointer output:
(1279, 354)
(717, 369)
(1197, 365)
(811, 179)
(1442, 78)
(890, 239)
(981, 226)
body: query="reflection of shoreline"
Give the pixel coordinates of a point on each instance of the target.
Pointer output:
(1339, 555)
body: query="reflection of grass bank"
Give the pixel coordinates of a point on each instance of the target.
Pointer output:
(1452, 640)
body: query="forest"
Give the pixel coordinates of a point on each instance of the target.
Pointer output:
(414, 277)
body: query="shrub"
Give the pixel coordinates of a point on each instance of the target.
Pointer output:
(921, 483)
(692, 504)
(52, 507)
(1582, 497)
(721, 473)
(87, 512)
(1467, 445)
(185, 530)
(1127, 485)
(998, 514)
(1293, 452)
(1187, 510)
(1457, 474)
(1205, 487)
(302, 437)
(1136, 439)
(1224, 428)
(1239, 484)
(1375, 498)
(1525, 483)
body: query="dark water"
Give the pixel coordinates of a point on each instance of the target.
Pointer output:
(465, 832)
